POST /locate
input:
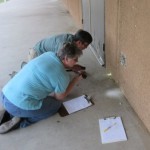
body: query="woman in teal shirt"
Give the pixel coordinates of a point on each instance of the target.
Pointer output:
(26, 96)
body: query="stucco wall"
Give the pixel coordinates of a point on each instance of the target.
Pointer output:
(127, 32)
(111, 37)
(74, 7)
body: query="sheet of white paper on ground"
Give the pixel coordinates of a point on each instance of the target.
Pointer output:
(112, 130)
(76, 104)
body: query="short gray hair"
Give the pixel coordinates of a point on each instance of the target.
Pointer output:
(69, 50)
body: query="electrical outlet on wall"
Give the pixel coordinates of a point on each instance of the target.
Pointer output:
(123, 59)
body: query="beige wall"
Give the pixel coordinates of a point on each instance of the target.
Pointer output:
(127, 31)
(74, 7)
(111, 36)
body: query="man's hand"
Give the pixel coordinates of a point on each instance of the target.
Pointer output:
(78, 68)
(83, 74)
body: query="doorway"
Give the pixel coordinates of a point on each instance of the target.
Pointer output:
(93, 22)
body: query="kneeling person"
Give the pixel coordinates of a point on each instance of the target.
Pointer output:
(26, 95)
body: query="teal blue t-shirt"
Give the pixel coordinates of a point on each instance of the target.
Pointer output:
(36, 80)
(52, 43)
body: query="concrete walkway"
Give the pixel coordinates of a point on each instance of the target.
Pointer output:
(22, 24)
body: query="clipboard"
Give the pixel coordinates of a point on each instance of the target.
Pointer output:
(112, 130)
(75, 105)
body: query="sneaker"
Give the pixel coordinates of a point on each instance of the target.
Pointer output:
(2, 113)
(10, 125)
(4, 116)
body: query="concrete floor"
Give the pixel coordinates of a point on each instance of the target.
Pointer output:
(22, 24)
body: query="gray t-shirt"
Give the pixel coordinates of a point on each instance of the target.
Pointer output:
(52, 43)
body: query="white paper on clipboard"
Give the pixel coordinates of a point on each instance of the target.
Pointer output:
(77, 104)
(112, 130)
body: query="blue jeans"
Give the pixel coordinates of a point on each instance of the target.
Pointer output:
(49, 107)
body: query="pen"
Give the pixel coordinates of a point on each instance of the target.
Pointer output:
(110, 127)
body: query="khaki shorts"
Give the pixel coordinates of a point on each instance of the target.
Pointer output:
(32, 54)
